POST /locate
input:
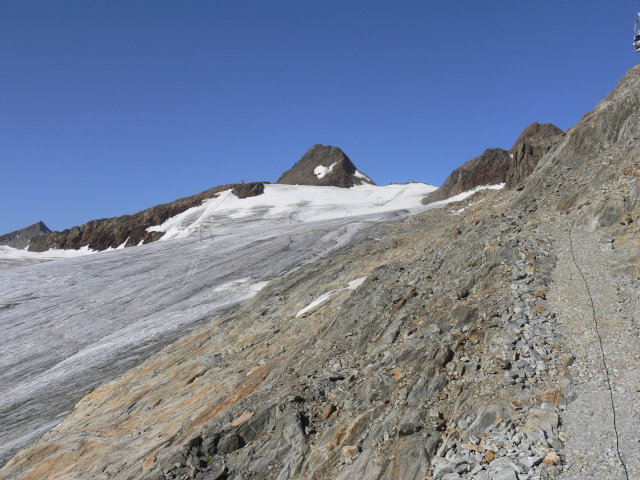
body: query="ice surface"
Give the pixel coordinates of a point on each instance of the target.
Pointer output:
(11, 257)
(309, 203)
(73, 321)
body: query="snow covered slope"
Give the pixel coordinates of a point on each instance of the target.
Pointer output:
(287, 203)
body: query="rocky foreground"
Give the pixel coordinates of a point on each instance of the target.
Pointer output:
(492, 339)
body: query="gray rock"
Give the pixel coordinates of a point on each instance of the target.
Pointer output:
(532, 461)
(545, 420)
(506, 473)
(429, 382)
(442, 467)
(217, 474)
(452, 476)
(229, 443)
(411, 421)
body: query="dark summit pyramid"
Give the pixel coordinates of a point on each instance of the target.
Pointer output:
(20, 238)
(324, 166)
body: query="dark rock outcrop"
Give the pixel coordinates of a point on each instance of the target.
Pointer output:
(537, 132)
(132, 229)
(245, 190)
(496, 165)
(532, 144)
(490, 168)
(325, 166)
(20, 238)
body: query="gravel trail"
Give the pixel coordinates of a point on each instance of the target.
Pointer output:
(596, 437)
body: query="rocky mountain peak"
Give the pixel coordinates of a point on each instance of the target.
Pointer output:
(537, 132)
(324, 165)
(20, 238)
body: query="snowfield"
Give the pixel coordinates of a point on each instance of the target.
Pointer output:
(302, 203)
(72, 320)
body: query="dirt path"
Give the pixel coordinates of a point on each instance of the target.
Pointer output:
(585, 283)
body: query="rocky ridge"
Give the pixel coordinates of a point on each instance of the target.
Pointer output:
(131, 230)
(452, 356)
(20, 238)
(497, 165)
(324, 166)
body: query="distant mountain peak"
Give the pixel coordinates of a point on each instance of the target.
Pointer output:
(20, 238)
(324, 165)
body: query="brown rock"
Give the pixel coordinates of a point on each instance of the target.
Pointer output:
(536, 132)
(490, 168)
(150, 460)
(245, 190)
(398, 372)
(625, 219)
(489, 456)
(552, 396)
(350, 451)
(328, 411)
(551, 459)
(242, 418)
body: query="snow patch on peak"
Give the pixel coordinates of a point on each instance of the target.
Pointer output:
(321, 171)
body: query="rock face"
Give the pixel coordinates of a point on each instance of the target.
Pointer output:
(447, 358)
(537, 132)
(325, 166)
(490, 168)
(132, 229)
(496, 165)
(20, 238)
(532, 144)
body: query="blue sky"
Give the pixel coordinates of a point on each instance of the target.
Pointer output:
(110, 107)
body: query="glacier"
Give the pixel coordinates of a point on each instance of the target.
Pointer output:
(74, 320)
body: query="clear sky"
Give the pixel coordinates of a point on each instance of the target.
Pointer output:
(110, 107)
